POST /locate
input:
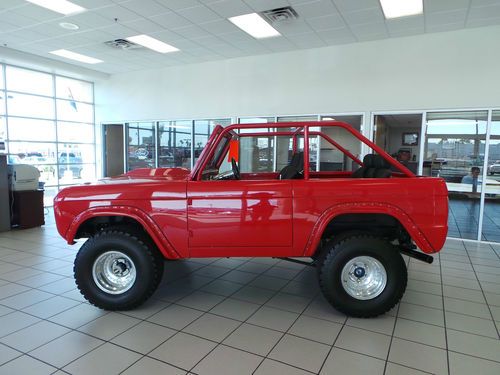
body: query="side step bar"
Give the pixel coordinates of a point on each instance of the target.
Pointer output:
(310, 264)
(411, 252)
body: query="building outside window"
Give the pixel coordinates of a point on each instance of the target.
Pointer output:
(173, 144)
(47, 121)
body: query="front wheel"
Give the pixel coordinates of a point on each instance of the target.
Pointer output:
(115, 270)
(362, 276)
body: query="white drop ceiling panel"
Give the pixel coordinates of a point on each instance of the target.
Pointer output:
(199, 14)
(144, 26)
(261, 5)
(218, 27)
(432, 6)
(315, 8)
(201, 30)
(444, 27)
(229, 8)
(326, 22)
(179, 4)
(171, 20)
(299, 26)
(443, 18)
(145, 8)
(355, 5)
(492, 11)
(364, 16)
(369, 29)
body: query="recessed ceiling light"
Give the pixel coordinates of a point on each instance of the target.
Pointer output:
(401, 8)
(69, 26)
(152, 43)
(75, 56)
(254, 25)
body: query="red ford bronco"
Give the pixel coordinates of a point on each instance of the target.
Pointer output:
(285, 190)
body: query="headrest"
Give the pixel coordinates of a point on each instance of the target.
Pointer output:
(380, 163)
(375, 161)
(368, 161)
(297, 160)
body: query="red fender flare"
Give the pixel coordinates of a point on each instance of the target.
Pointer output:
(138, 215)
(366, 208)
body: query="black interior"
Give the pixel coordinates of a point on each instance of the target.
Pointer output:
(295, 169)
(374, 166)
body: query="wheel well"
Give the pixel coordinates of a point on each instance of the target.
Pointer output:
(99, 223)
(381, 225)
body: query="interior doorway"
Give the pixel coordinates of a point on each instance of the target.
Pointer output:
(400, 136)
(113, 150)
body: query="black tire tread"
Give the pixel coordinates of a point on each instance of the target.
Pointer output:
(157, 268)
(329, 257)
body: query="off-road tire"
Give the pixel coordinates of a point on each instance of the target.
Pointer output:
(340, 253)
(143, 237)
(148, 265)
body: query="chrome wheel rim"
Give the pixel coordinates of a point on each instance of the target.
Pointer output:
(114, 272)
(364, 278)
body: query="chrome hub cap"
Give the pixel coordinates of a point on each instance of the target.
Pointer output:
(114, 272)
(364, 278)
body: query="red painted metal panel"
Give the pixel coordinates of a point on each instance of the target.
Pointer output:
(259, 215)
(247, 214)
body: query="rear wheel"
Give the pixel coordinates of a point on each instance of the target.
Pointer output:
(115, 270)
(362, 276)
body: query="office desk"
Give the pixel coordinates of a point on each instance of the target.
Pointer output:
(27, 209)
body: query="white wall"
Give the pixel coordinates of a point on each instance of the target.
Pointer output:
(396, 139)
(458, 69)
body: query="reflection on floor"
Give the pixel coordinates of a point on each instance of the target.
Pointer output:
(245, 316)
(463, 219)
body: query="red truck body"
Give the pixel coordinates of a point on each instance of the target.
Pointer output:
(261, 190)
(257, 215)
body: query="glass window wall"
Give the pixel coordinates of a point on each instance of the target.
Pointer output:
(29, 81)
(174, 143)
(454, 150)
(141, 145)
(24, 105)
(202, 130)
(491, 216)
(74, 90)
(54, 135)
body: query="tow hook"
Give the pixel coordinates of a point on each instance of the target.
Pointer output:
(409, 249)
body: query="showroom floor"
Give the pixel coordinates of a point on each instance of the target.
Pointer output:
(243, 316)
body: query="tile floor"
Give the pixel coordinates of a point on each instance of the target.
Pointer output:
(244, 316)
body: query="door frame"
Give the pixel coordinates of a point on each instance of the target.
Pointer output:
(104, 148)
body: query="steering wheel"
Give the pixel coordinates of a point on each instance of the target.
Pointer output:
(236, 170)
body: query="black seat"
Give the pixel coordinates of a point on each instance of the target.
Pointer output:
(294, 169)
(374, 166)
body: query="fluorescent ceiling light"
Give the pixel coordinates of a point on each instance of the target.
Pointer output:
(76, 56)
(60, 6)
(254, 25)
(401, 8)
(152, 43)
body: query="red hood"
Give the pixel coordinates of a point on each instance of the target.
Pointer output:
(139, 184)
(149, 175)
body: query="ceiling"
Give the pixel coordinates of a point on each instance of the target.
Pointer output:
(200, 29)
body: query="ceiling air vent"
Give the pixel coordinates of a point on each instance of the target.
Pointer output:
(122, 44)
(285, 14)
